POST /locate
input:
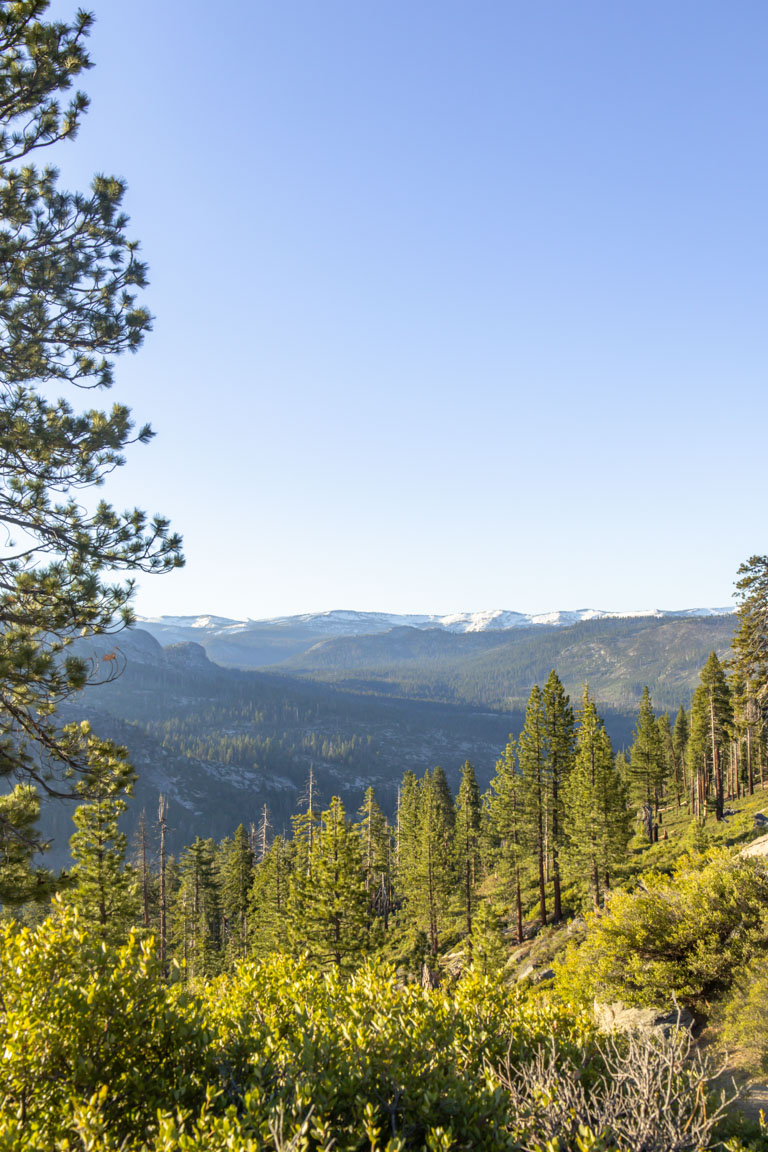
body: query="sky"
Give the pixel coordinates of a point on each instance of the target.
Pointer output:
(457, 306)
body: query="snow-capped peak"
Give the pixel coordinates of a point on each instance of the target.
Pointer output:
(347, 622)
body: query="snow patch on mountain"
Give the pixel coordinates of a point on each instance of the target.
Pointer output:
(345, 622)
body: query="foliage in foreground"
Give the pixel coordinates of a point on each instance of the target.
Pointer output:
(100, 1054)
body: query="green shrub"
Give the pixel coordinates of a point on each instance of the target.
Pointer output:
(745, 1016)
(81, 1021)
(369, 1055)
(686, 936)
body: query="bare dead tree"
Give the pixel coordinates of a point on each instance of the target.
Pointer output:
(651, 1094)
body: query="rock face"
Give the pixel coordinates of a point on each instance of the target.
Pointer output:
(621, 1017)
(758, 847)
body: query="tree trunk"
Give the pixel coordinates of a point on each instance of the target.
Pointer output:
(163, 809)
(518, 904)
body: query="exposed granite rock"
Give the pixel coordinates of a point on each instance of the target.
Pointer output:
(758, 847)
(621, 1017)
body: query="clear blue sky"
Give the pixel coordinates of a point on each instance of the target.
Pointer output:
(458, 306)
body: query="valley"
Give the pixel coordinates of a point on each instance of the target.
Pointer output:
(220, 742)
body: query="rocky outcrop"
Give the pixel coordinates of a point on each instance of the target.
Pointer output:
(758, 847)
(621, 1017)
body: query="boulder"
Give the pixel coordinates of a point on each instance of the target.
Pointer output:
(758, 847)
(760, 820)
(621, 1017)
(536, 975)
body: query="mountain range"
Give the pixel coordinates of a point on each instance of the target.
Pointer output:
(261, 643)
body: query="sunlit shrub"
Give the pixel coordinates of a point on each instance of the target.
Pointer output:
(369, 1053)
(80, 1020)
(684, 936)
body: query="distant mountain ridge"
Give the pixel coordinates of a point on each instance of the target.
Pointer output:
(487, 652)
(346, 622)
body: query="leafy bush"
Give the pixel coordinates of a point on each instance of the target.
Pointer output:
(745, 1016)
(81, 1021)
(366, 1054)
(686, 936)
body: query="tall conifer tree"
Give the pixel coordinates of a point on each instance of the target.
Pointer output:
(647, 763)
(598, 820)
(560, 745)
(467, 845)
(104, 892)
(680, 734)
(68, 307)
(330, 917)
(711, 724)
(430, 877)
(533, 755)
(236, 880)
(376, 844)
(197, 911)
(505, 805)
(750, 644)
(269, 904)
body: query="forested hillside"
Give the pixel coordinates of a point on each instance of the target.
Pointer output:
(220, 742)
(497, 669)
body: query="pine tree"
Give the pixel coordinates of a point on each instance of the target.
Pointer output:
(141, 855)
(467, 846)
(671, 771)
(646, 760)
(268, 916)
(428, 863)
(197, 911)
(104, 892)
(376, 844)
(407, 834)
(714, 681)
(560, 744)
(750, 644)
(699, 751)
(598, 820)
(533, 756)
(68, 308)
(236, 880)
(711, 724)
(750, 662)
(162, 824)
(328, 909)
(505, 806)
(305, 828)
(20, 882)
(680, 735)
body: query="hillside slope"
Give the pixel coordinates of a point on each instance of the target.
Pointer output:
(616, 657)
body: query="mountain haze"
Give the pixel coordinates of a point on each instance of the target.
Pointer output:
(261, 643)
